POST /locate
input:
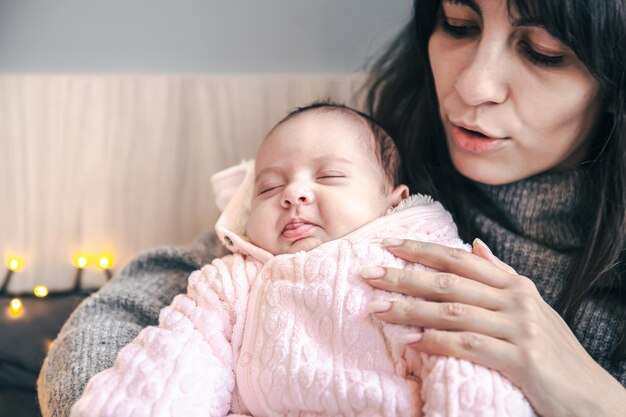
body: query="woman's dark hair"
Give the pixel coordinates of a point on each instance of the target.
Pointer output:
(402, 98)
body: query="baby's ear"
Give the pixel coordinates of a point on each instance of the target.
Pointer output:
(398, 194)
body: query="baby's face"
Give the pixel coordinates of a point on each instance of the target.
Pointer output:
(317, 179)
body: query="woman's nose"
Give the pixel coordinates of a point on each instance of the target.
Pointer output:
(485, 79)
(297, 194)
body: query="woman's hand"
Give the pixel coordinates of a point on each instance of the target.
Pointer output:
(483, 311)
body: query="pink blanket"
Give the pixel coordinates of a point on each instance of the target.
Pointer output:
(292, 337)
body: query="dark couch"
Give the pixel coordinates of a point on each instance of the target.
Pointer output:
(24, 341)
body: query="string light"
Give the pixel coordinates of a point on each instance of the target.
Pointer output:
(81, 262)
(40, 291)
(14, 264)
(15, 307)
(105, 263)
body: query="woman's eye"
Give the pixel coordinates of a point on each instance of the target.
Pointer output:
(459, 29)
(538, 58)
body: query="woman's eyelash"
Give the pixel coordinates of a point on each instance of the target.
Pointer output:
(539, 58)
(536, 58)
(457, 31)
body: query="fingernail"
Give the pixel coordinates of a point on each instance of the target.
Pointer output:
(481, 243)
(378, 306)
(411, 338)
(393, 241)
(373, 272)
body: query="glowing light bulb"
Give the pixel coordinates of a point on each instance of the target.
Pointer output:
(105, 262)
(40, 291)
(81, 262)
(14, 264)
(15, 307)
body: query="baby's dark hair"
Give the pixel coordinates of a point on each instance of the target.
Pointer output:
(384, 146)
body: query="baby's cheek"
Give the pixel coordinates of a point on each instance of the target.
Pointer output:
(257, 226)
(361, 214)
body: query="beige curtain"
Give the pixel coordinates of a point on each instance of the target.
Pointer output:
(118, 164)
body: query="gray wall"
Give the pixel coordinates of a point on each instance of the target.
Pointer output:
(195, 36)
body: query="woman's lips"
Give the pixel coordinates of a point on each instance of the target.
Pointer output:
(474, 142)
(297, 229)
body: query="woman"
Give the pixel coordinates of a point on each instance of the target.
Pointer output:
(513, 115)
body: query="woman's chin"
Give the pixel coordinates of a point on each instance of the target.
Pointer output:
(485, 173)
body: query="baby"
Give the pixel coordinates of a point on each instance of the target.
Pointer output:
(281, 328)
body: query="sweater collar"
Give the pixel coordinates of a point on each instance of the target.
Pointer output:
(549, 209)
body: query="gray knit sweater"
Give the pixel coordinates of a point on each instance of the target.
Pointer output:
(533, 225)
(537, 226)
(109, 319)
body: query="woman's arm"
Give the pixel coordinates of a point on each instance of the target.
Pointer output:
(109, 319)
(484, 312)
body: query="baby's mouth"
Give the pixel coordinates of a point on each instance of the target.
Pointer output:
(297, 229)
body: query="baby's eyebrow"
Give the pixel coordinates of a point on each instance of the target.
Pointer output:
(320, 160)
(264, 172)
(331, 158)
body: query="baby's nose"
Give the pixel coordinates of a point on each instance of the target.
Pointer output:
(297, 195)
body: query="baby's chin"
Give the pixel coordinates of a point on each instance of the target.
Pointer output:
(304, 244)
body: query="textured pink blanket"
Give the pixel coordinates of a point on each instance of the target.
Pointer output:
(292, 337)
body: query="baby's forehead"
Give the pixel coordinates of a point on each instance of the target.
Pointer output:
(358, 129)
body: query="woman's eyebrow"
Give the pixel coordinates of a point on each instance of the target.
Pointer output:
(469, 3)
(527, 21)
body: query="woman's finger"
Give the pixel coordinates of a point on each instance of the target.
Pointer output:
(477, 348)
(480, 248)
(436, 286)
(442, 316)
(454, 260)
